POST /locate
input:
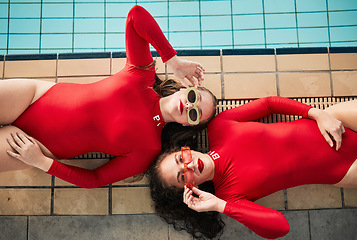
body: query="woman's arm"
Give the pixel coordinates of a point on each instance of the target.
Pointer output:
(262, 107)
(265, 222)
(27, 150)
(142, 29)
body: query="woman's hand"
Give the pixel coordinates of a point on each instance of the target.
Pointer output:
(330, 128)
(186, 69)
(28, 151)
(205, 201)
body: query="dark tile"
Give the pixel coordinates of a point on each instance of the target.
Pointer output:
(331, 224)
(131, 227)
(12, 227)
(298, 221)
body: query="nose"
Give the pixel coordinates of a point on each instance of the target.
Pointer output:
(191, 165)
(188, 105)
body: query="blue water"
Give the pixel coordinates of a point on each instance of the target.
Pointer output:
(51, 26)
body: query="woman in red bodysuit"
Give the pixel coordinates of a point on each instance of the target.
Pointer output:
(249, 160)
(121, 115)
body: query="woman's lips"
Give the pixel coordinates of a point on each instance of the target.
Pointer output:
(201, 166)
(181, 107)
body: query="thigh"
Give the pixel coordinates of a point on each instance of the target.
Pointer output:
(8, 163)
(18, 94)
(346, 112)
(350, 179)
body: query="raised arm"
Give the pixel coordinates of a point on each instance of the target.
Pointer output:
(27, 150)
(142, 29)
(265, 222)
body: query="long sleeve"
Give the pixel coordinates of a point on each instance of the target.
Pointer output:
(265, 222)
(264, 106)
(117, 169)
(142, 29)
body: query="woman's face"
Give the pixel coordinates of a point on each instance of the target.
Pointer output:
(179, 106)
(172, 169)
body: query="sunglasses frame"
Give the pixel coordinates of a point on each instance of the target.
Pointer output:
(194, 108)
(186, 169)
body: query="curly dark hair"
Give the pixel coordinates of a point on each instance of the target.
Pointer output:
(170, 207)
(174, 133)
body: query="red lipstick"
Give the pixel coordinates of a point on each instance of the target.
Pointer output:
(201, 166)
(181, 107)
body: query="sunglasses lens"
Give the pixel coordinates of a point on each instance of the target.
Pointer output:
(189, 178)
(191, 96)
(192, 113)
(186, 156)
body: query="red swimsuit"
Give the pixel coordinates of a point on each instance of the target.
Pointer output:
(253, 160)
(119, 115)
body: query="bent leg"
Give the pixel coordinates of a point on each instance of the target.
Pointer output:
(350, 179)
(18, 94)
(346, 112)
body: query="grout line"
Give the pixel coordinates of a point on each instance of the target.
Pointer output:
(110, 200)
(276, 74)
(330, 71)
(342, 198)
(111, 64)
(222, 73)
(27, 227)
(286, 206)
(56, 79)
(3, 68)
(52, 195)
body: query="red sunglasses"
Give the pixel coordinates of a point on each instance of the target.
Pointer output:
(188, 173)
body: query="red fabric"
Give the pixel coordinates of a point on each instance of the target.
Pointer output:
(119, 115)
(253, 160)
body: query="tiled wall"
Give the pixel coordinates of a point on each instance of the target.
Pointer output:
(230, 74)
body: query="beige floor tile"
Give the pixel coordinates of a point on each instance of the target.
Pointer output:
(249, 63)
(343, 61)
(30, 69)
(344, 83)
(212, 64)
(118, 64)
(160, 66)
(274, 201)
(84, 163)
(249, 85)
(25, 201)
(314, 197)
(80, 80)
(132, 200)
(144, 181)
(26, 177)
(79, 201)
(303, 62)
(304, 84)
(213, 83)
(80, 67)
(350, 195)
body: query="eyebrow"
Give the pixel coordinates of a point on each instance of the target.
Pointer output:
(178, 173)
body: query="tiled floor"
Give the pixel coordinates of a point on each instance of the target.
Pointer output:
(34, 205)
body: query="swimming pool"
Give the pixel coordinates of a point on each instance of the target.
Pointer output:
(61, 26)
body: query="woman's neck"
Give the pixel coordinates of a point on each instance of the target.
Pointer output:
(163, 103)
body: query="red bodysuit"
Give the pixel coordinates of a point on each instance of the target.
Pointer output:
(119, 115)
(253, 160)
